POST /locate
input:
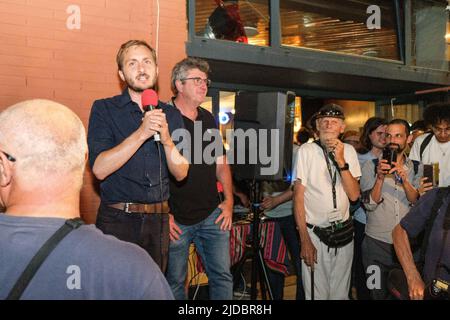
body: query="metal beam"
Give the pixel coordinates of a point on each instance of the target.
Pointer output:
(314, 61)
(233, 87)
(408, 32)
(275, 24)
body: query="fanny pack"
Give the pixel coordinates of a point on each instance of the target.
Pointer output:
(335, 236)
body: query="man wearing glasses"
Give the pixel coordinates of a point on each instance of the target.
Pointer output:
(435, 146)
(132, 167)
(198, 214)
(43, 155)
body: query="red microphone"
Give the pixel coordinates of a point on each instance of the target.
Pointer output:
(149, 99)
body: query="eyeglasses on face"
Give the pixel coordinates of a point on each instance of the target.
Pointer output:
(439, 130)
(198, 81)
(8, 156)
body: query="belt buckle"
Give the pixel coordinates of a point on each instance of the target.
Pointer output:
(146, 208)
(127, 207)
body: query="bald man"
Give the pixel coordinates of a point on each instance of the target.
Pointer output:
(43, 152)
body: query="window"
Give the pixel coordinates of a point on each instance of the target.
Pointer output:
(245, 21)
(341, 26)
(430, 34)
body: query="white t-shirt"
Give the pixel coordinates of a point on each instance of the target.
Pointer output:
(313, 172)
(434, 153)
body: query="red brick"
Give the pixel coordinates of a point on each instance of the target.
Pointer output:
(46, 23)
(52, 83)
(79, 75)
(14, 40)
(25, 10)
(6, 101)
(26, 51)
(37, 93)
(10, 80)
(12, 19)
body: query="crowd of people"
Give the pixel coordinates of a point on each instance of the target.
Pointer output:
(348, 216)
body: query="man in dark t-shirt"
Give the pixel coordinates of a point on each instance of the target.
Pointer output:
(198, 214)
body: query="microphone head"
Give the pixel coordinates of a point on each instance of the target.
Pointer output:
(149, 98)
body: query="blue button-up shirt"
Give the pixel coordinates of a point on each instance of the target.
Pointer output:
(112, 120)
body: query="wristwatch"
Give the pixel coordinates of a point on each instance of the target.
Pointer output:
(345, 167)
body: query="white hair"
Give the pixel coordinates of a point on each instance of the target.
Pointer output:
(46, 138)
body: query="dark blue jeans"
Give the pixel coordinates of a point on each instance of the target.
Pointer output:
(149, 231)
(292, 240)
(359, 273)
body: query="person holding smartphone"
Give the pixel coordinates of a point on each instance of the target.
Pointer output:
(434, 148)
(388, 189)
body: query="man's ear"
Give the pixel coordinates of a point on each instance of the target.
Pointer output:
(121, 75)
(409, 139)
(343, 127)
(178, 85)
(5, 171)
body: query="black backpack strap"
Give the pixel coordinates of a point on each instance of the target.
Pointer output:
(441, 194)
(39, 258)
(425, 143)
(375, 163)
(416, 165)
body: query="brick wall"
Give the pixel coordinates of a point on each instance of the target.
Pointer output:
(40, 57)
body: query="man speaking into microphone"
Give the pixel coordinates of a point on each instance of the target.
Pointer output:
(132, 153)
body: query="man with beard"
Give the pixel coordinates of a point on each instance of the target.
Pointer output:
(327, 172)
(388, 191)
(132, 167)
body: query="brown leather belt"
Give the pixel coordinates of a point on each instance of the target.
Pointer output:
(130, 207)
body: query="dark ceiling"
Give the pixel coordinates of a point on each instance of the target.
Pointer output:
(255, 75)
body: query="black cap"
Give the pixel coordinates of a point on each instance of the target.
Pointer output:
(331, 110)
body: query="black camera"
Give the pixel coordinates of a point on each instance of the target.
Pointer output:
(390, 154)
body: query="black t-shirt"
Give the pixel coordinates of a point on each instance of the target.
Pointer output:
(195, 198)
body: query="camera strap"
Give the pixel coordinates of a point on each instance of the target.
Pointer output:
(39, 258)
(330, 171)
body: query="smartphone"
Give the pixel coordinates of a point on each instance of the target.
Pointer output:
(431, 172)
(390, 155)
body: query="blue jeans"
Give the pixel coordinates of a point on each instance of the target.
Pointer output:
(213, 246)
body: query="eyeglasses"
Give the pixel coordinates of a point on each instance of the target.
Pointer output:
(198, 81)
(439, 130)
(8, 156)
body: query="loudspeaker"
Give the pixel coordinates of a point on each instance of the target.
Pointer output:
(263, 135)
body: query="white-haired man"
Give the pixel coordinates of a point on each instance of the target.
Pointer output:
(42, 160)
(327, 173)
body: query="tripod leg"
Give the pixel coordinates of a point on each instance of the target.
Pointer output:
(253, 291)
(264, 271)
